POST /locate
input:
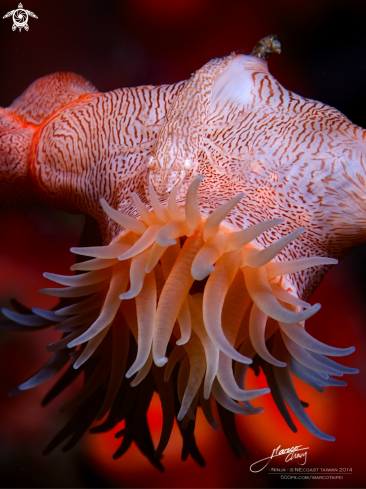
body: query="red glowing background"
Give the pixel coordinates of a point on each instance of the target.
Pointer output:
(133, 42)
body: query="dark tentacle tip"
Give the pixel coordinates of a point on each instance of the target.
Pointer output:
(14, 392)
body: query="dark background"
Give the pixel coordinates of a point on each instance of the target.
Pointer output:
(133, 42)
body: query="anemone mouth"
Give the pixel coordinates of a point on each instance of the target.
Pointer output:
(194, 295)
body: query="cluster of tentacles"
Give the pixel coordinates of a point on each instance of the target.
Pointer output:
(168, 306)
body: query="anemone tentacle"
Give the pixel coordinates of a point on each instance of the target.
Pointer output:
(228, 321)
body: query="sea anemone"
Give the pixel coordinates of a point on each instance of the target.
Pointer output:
(209, 281)
(165, 258)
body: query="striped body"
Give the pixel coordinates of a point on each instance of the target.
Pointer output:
(182, 136)
(98, 148)
(292, 157)
(232, 121)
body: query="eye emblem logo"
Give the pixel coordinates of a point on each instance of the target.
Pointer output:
(20, 17)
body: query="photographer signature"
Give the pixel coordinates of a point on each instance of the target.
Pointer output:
(291, 454)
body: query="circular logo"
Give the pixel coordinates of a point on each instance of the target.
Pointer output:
(20, 18)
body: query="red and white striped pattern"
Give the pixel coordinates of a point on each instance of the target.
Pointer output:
(292, 157)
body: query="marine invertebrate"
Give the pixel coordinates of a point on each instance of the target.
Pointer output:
(207, 276)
